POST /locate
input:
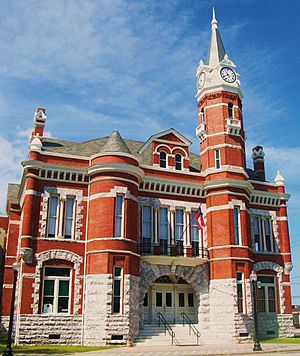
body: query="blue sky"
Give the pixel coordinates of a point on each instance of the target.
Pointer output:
(130, 65)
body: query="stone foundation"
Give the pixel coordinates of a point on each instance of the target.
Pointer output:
(272, 325)
(50, 329)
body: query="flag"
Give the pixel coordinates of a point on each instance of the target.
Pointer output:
(199, 219)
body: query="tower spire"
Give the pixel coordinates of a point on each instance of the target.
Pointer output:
(216, 51)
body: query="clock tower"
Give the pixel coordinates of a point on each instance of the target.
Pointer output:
(220, 125)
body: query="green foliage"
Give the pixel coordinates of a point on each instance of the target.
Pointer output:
(282, 340)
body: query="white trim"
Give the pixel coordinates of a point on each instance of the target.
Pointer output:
(117, 167)
(227, 192)
(231, 258)
(113, 193)
(229, 246)
(101, 154)
(110, 239)
(223, 133)
(195, 174)
(225, 168)
(113, 251)
(14, 222)
(281, 218)
(67, 155)
(220, 146)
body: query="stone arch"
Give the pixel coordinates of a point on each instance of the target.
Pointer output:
(63, 255)
(196, 277)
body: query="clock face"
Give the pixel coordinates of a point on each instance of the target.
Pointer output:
(228, 75)
(201, 80)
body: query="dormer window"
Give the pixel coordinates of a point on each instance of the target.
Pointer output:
(230, 110)
(163, 159)
(178, 162)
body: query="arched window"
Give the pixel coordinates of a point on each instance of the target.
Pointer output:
(178, 162)
(230, 110)
(163, 159)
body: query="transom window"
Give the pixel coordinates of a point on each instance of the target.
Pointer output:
(178, 162)
(266, 294)
(163, 159)
(56, 290)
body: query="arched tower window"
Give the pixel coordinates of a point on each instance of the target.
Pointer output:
(178, 162)
(230, 110)
(163, 159)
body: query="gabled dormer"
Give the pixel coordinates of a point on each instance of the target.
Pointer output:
(169, 150)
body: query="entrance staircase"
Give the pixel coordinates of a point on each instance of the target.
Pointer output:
(151, 334)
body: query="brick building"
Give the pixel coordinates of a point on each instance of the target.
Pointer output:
(108, 235)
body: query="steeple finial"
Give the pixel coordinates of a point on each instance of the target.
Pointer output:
(214, 22)
(216, 51)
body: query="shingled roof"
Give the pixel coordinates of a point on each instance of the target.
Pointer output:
(89, 148)
(115, 144)
(12, 191)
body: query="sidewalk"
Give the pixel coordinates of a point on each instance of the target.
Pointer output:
(222, 349)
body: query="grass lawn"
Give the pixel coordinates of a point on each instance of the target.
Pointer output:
(283, 340)
(51, 349)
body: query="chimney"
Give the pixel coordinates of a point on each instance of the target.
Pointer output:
(259, 162)
(39, 122)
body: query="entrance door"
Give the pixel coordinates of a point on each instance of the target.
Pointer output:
(185, 303)
(163, 302)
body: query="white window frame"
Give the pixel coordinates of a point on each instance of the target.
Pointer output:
(121, 216)
(183, 224)
(162, 151)
(181, 162)
(117, 278)
(73, 217)
(57, 216)
(237, 229)
(217, 154)
(266, 285)
(56, 289)
(167, 224)
(242, 283)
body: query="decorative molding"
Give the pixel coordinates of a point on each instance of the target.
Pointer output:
(113, 193)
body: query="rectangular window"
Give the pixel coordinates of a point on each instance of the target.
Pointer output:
(240, 291)
(217, 159)
(191, 300)
(257, 235)
(168, 299)
(147, 228)
(163, 230)
(69, 217)
(117, 290)
(119, 215)
(266, 294)
(56, 290)
(181, 300)
(236, 222)
(158, 299)
(268, 236)
(179, 226)
(194, 235)
(262, 234)
(52, 219)
(146, 300)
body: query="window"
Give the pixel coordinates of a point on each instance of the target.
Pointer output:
(266, 294)
(181, 300)
(236, 225)
(202, 117)
(194, 235)
(230, 110)
(119, 215)
(145, 303)
(240, 291)
(190, 300)
(52, 220)
(179, 231)
(163, 230)
(217, 159)
(147, 229)
(56, 290)
(163, 159)
(262, 234)
(178, 162)
(117, 289)
(69, 217)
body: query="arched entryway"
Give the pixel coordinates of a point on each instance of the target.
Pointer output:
(171, 296)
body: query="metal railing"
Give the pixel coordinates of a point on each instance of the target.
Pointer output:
(162, 320)
(192, 327)
(163, 249)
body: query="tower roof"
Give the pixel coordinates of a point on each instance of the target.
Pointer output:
(115, 143)
(216, 51)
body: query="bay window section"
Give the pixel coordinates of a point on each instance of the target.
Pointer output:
(147, 229)
(117, 290)
(163, 230)
(69, 217)
(53, 213)
(194, 235)
(119, 202)
(179, 226)
(266, 294)
(56, 290)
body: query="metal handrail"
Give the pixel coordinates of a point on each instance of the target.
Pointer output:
(168, 328)
(192, 327)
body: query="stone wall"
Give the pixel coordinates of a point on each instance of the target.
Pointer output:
(271, 325)
(49, 329)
